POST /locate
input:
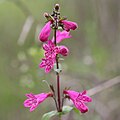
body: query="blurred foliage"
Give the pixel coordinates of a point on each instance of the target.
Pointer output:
(94, 56)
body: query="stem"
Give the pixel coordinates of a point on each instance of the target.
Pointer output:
(57, 64)
(60, 117)
(58, 91)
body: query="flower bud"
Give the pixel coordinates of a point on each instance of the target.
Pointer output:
(63, 50)
(57, 7)
(69, 25)
(46, 15)
(45, 32)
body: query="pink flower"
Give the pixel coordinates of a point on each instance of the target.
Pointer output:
(79, 99)
(47, 64)
(50, 49)
(69, 25)
(63, 50)
(45, 32)
(61, 36)
(34, 100)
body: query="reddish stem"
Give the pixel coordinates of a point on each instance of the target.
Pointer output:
(57, 74)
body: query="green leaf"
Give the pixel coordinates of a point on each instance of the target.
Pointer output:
(48, 115)
(65, 110)
(76, 111)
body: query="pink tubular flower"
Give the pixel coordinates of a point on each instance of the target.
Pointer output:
(79, 99)
(45, 32)
(34, 100)
(50, 49)
(47, 64)
(69, 25)
(61, 36)
(63, 50)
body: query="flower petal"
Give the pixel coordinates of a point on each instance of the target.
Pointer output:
(61, 36)
(72, 94)
(45, 47)
(84, 92)
(81, 106)
(48, 69)
(27, 103)
(86, 98)
(33, 108)
(42, 64)
(29, 95)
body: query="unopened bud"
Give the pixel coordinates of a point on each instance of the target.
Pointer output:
(46, 15)
(57, 7)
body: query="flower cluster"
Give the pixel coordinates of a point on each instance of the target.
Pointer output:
(52, 51)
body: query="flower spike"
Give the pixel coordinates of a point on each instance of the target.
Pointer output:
(61, 28)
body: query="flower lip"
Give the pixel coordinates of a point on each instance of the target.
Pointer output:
(83, 97)
(47, 64)
(50, 49)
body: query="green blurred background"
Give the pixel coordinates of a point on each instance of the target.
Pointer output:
(94, 56)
